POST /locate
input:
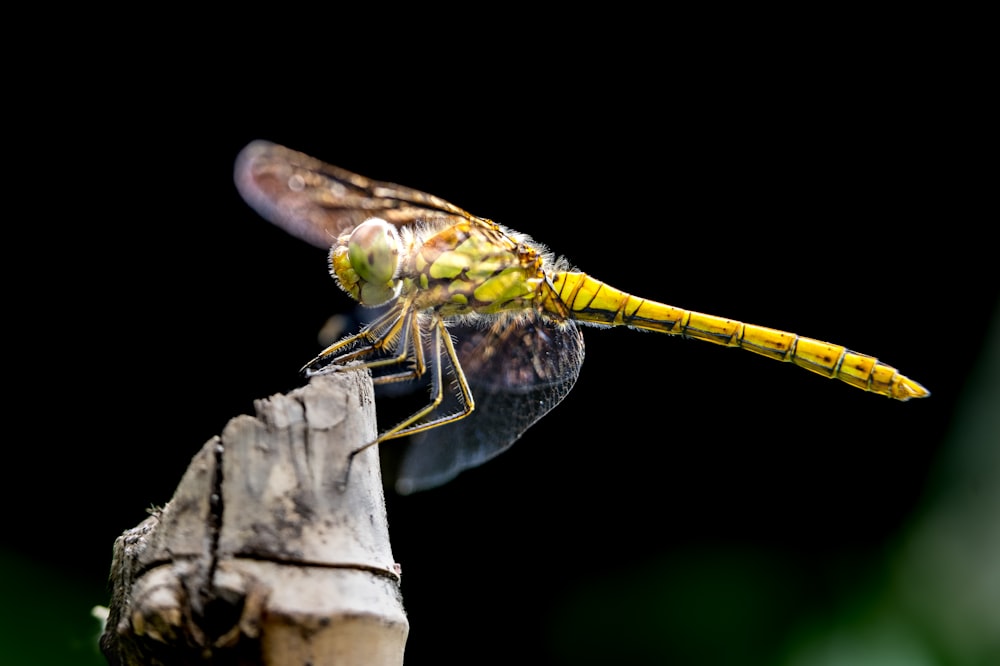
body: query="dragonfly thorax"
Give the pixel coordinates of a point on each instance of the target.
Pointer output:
(474, 267)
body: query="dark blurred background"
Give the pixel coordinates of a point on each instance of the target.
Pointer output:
(686, 504)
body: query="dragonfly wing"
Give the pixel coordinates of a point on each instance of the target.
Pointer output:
(316, 202)
(517, 372)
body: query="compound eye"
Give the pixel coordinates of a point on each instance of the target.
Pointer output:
(373, 250)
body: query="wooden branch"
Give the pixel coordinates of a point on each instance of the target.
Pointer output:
(261, 557)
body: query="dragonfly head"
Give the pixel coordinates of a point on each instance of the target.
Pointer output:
(366, 261)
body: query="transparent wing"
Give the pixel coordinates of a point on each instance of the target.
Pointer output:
(317, 202)
(517, 373)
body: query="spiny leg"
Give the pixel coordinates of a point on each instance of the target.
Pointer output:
(412, 339)
(374, 337)
(396, 333)
(410, 425)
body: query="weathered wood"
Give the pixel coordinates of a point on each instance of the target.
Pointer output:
(261, 557)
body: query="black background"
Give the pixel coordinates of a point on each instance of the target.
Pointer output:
(824, 191)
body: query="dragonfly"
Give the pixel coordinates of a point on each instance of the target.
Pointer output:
(484, 315)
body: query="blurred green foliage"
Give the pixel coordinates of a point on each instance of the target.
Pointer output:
(46, 616)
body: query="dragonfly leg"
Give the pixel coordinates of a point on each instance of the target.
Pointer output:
(413, 341)
(412, 424)
(396, 333)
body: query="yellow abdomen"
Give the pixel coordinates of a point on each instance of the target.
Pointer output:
(582, 298)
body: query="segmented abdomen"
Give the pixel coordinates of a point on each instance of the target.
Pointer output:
(585, 299)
